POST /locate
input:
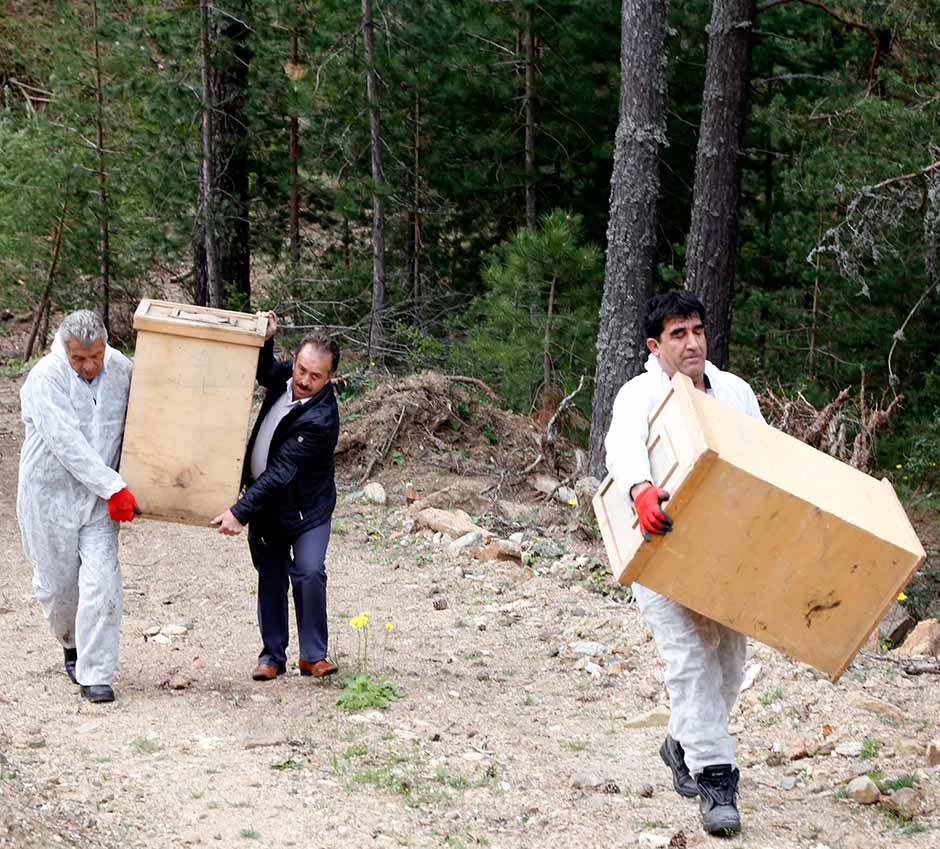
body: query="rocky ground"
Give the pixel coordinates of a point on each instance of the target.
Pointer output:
(531, 714)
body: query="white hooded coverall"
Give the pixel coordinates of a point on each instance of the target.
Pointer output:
(704, 660)
(67, 474)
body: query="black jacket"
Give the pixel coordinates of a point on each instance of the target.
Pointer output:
(296, 492)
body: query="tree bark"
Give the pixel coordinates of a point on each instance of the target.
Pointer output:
(294, 186)
(417, 290)
(531, 221)
(713, 232)
(104, 235)
(376, 328)
(221, 240)
(631, 231)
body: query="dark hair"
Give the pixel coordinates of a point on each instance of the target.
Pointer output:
(323, 343)
(678, 304)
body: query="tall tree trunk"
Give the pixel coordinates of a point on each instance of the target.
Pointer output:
(417, 292)
(223, 228)
(631, 230)
(547, 342)
(531, 221)
(294, 186)
(713, 233)
(104, 235)
(376, 329)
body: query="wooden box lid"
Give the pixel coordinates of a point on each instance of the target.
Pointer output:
(237, 328)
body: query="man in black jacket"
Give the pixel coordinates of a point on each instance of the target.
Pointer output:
(288, 500)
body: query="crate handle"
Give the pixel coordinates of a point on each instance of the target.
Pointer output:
(205, 318)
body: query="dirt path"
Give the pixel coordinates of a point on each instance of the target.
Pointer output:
(499, 724)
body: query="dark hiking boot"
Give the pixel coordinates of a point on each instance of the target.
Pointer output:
(718, 787)
(673, 756)
(71, 658)
(97, 693)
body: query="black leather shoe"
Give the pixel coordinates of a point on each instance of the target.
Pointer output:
(71, 658)
(673, 756)
(718, 787)
(97, 693)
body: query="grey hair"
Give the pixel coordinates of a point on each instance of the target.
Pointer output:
(84, 326)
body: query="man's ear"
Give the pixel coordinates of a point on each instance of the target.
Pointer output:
(652, 345)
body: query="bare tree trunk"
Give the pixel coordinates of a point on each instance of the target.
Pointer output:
(104, 243)
(713, 233)
(41, 318)
(631, 231)
(376, 329)
(531, 221)
(294, 187)
(208, 287)
(417, 293)
(221, 241)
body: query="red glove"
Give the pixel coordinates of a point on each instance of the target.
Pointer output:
(648, 506)
(122, 506)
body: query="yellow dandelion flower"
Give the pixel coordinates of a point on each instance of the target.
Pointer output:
(358, 621)
(572, 502)
(902, 597)
(389, 626)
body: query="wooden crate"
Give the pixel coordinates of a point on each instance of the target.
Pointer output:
(771, 537)
(189, 408)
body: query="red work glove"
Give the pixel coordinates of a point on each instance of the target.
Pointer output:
(648, 506)
(122, 506)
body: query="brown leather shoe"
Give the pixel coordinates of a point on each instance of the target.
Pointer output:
(319, 668)
(267, 672)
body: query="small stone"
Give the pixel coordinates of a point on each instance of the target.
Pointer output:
(788, 782)
(179, 682)
(877, 707)
(646, 791)
(374, 493)
(264, 738)
(588, 779)
(797, 749)
(174, 630)
(160, 639)
(933, 753)
(87, 728)
(440, 603)
(464, 543)
(151, 631)
(411, 493)
(36, 742)
(906, 748)
(481, 624)
(198, 663)
(517, 537)
(751, 671)
(658, 717)
(849, 749)
(649, 838)
(863, 790)
(593, 669)
(588, 648)
(566, 495)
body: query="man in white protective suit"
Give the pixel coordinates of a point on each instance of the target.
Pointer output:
(704, 660)
(70, 498)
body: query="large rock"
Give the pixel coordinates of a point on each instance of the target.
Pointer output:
(457, 494)
(933, 753)
(545, 484)
(454, 523)
(924, 640)
(906, 802)
(863, 790)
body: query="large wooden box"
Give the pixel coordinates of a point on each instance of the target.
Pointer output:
(189, 408)
(771, 537)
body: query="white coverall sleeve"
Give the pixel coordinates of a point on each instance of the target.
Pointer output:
(49, 409)
(627, 459)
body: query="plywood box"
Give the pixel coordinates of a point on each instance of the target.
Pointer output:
(189, 408)
(771, 537)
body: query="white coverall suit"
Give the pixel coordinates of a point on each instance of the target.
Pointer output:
(67, 474)
(704, 660)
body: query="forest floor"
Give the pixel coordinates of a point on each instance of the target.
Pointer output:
(519, 685)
